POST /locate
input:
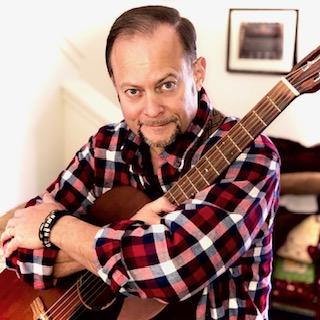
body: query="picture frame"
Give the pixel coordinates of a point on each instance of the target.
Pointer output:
(262, 40)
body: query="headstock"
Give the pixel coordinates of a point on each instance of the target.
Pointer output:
(305, 75)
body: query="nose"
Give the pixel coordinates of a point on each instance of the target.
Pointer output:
(153, 105)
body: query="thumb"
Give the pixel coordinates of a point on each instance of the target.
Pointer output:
(163, 205)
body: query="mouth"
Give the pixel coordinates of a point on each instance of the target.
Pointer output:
(157, 123)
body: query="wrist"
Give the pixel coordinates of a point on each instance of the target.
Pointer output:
(62, 230)
(66, 234)
(45, 229)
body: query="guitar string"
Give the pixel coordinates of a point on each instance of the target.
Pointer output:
(74, 287)
(213, 153)
(216, 154)
(64, 300)
(202, 166)
(236, 131)
(216, 160)
(89, 297)
(72, 303)
(61, 302)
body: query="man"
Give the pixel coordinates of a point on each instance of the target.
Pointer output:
(214, 248)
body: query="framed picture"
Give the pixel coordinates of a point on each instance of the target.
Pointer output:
(262, 40)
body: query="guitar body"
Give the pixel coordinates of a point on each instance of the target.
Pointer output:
(16, 297)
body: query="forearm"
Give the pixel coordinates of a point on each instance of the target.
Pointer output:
(75, 238)
(65, 265)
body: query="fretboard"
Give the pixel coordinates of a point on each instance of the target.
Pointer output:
(230, 146)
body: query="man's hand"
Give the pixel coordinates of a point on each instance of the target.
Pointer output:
(150, 213)
(22, 230)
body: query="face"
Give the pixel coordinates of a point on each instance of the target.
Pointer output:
(156, 84)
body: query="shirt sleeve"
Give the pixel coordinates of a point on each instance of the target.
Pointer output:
(73, 189)
(202, 239)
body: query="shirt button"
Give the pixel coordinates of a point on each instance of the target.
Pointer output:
(178, 163)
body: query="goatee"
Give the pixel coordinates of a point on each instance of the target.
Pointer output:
(161, 143)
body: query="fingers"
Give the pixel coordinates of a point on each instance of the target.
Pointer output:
(8, 232)
(6, 235)
(8, 241)
(9, 247)
(162, 205)
(151, 213)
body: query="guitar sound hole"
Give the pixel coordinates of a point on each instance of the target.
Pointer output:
(94, 294)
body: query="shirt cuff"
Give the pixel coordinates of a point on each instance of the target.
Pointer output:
(107, 244)
(34, 266)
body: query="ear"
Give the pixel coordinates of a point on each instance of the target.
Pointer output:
(199, 72)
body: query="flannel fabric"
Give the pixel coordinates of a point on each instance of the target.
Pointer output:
(219, 243)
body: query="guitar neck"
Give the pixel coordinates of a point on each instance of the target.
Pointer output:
(228, 148)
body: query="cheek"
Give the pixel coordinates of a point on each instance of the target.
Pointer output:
(188, 109)
(131, 116)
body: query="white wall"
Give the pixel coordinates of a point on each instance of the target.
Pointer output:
(46, 42)
(31, 68)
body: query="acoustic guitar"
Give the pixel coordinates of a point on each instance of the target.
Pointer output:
(87, 297)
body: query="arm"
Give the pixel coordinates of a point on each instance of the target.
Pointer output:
(22, 232)
(74, 197)
(65, 234)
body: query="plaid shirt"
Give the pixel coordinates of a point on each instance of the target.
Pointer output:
(218, 243)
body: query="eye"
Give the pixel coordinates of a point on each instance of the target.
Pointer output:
(168, 86)
(132, 92)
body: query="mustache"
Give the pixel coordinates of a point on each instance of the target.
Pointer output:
(158, 122)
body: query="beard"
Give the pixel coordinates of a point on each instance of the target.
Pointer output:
(164, 142)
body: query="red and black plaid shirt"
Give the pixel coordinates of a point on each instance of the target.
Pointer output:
(218, 243)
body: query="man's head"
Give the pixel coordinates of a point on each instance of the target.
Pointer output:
(151, 58)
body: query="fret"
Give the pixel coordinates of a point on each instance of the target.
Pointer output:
(202, 176)
(178, 185)
(247, 132)
(272, 102)
(237, 147)
(261, 120)
(193, 186)
(224, 157)
(211, 165)
(173, 198)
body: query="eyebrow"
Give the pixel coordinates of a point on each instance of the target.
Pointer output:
(128, 84)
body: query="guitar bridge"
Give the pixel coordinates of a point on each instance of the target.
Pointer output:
(38, 309)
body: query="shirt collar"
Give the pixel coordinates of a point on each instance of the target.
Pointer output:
(173, 154)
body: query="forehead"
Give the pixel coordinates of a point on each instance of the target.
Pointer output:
(140, 54)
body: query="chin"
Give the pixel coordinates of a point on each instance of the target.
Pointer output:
(153, 140)
(160, 143)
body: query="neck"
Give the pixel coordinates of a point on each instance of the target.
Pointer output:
(155, 152)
